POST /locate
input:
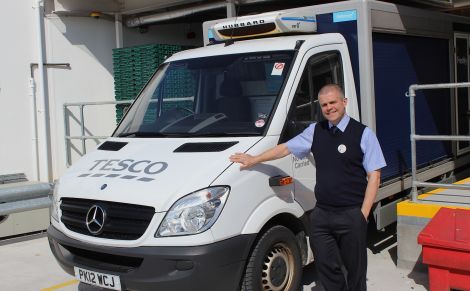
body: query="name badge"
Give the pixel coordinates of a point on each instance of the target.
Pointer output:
(342, 148)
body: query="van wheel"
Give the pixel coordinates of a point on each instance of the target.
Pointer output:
(275, 262)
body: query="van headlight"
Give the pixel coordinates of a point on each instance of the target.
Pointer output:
(195, 212)
(55, 205)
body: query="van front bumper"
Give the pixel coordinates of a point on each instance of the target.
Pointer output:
(217, 266)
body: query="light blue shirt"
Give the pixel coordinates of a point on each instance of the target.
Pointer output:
(301, 145)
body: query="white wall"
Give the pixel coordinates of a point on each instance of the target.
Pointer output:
(85, 43)
(16, 53)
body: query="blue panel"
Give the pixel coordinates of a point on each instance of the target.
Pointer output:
(348, 15)
(348, 29)
(400, 61)
(210, 34)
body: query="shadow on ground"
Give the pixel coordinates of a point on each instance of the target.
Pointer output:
(385, 240)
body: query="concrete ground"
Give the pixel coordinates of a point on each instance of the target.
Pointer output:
(27, 264)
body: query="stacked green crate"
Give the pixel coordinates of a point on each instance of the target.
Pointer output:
(133, 67)
(178, 83)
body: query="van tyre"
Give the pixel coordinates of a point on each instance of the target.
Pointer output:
(275, 263)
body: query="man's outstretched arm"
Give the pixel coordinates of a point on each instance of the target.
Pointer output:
(246, 160)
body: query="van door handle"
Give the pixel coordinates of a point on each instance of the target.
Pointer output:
(280, 180)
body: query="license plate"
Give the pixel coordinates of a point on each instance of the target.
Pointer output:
(98, 279)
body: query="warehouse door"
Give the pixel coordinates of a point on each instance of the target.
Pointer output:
(461, 52)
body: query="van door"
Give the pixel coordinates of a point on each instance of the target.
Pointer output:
(319, 69)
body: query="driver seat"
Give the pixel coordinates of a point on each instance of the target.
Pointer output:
(232, 101)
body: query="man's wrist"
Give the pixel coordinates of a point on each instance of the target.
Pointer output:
(365, 212)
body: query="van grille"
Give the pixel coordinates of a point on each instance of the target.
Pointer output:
(123, 221)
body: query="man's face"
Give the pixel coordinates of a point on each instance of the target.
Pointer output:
(333, 106)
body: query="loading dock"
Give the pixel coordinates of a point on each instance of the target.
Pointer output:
(462, 148)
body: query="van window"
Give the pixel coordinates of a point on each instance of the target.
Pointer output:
(211, 96)
(321, 69)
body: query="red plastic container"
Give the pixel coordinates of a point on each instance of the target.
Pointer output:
(446, 249)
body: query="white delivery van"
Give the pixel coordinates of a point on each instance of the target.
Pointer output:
(159, 206)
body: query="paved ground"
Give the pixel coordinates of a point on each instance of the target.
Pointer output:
(27, 264)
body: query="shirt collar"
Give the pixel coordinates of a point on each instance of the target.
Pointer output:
(342, 124)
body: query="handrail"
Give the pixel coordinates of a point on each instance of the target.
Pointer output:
(414, 137)
(81, 121)
(83, 137)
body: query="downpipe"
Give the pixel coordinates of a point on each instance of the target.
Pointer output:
(34, 127)
(44, 172)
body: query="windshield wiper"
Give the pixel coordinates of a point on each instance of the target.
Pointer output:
(185, 134)
(221, 134)
(145, 134)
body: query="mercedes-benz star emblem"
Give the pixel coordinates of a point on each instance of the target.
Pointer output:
(95, 219)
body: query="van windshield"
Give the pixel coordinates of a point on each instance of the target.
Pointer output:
(228, 95)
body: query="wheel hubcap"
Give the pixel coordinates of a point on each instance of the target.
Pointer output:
(278, 268)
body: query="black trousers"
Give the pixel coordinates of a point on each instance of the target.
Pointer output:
(338, 238)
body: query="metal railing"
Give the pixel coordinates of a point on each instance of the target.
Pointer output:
(81, 122)
(415, 137)
(24, 196)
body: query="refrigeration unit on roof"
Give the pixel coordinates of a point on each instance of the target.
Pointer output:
(263, 25)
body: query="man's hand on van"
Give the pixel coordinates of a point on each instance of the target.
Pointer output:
(247, 160)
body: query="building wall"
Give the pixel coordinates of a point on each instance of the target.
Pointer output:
(86, 44)
(16, 53)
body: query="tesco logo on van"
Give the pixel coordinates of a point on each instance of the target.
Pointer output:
(146, 166)
(128, 169)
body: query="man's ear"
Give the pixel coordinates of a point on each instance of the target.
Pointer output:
(345, 101)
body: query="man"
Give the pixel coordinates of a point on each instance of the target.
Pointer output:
(348, 159)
